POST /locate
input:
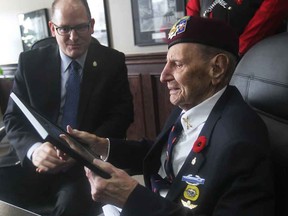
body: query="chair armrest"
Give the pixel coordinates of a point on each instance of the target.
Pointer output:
(2, 132)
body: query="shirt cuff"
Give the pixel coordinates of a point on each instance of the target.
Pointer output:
(108, 152)
(32, 149)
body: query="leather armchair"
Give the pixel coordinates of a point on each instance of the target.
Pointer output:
(262, 78)
(52, 40)
(2, 133)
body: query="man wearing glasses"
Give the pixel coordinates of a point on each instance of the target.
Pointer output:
(96, 99)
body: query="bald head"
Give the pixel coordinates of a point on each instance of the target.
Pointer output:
(66, 4)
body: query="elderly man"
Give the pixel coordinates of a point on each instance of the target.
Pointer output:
(212, 156)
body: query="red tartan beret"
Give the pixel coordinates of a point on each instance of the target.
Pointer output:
(210, 32)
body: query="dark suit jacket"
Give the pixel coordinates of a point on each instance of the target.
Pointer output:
(235, 165)
(105, 106)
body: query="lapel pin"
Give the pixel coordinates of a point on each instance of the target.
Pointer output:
(193, 180)
(191, 192)
(94, 64)
(193, 162)
(188, 204)
(186, 121)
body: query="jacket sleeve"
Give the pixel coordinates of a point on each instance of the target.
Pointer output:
(19, 130)
(193, 8)
(265, 22)
(129, 154)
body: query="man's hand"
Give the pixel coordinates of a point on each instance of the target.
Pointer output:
(115, 190)
(48, 159)
(98, 145)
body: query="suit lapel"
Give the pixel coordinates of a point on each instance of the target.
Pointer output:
(91, 70)
(51, 76)
(195, 161)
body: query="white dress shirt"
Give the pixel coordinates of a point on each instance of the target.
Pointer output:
(192, 121)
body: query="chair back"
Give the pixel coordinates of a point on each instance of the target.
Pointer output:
(52, 40)
(262, 78)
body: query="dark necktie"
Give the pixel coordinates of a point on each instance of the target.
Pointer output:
(172, 140)
(70, 108)
(157, 182)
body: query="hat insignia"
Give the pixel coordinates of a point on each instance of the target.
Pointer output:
(178, 27)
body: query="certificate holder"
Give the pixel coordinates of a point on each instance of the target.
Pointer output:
(51, 132)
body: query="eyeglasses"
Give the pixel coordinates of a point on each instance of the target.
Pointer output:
(66, 30)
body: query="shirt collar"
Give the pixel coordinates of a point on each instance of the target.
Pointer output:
(65, 60)
(195, 116)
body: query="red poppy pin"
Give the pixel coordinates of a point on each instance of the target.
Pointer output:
(239, 2)
(199, 144)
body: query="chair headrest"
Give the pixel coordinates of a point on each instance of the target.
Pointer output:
(52, 40)
(262, 76)
(44, 42)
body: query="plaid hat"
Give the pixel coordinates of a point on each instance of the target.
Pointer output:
(210, 32)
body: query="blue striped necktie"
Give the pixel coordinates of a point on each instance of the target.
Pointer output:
(70, 108)
(157, 182)
(172, 140)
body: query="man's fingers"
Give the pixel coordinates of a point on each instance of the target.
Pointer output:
(109, 168)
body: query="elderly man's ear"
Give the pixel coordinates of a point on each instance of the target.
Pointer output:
(219, 68)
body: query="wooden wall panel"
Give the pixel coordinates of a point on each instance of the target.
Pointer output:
(155, 96)
(162, 101)
(137, 129)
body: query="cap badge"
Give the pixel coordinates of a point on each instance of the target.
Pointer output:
(179, 27)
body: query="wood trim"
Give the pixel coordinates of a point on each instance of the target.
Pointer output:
(147, 58)
(8, 70)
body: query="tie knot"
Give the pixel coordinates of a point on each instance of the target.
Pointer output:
(74, 65)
